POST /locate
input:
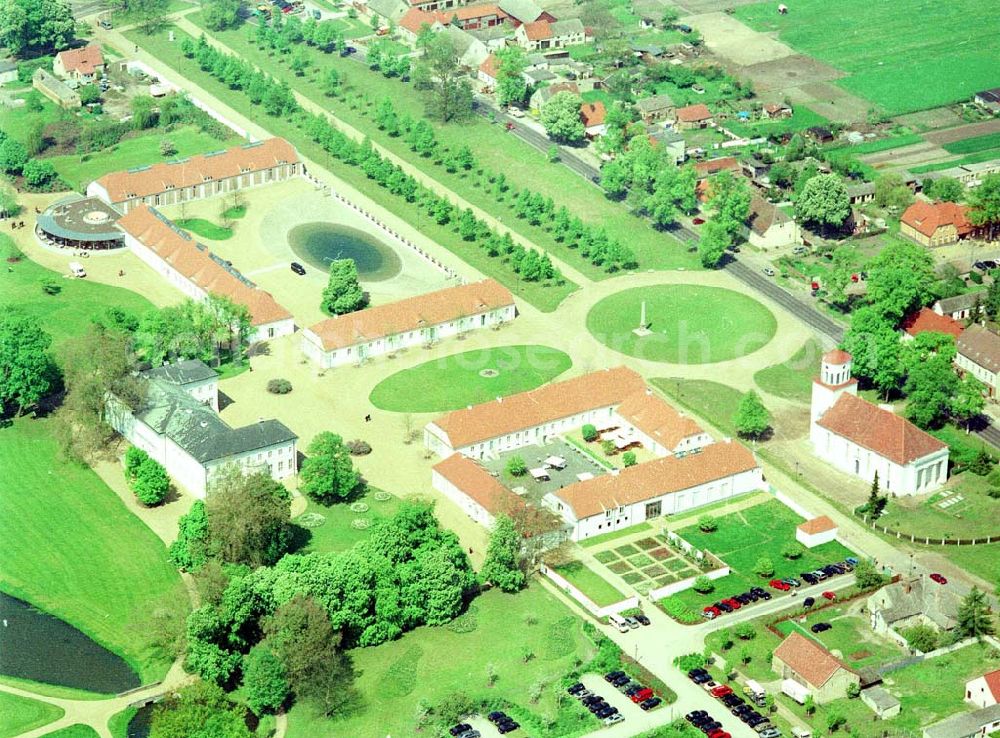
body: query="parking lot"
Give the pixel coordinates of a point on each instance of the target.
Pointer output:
(577, 462)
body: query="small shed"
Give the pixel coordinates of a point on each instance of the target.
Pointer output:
(8, 71)
(883, 704)
(816, 532)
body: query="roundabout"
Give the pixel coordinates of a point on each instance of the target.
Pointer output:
(681, 324)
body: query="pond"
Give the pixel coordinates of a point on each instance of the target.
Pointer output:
(318, 244)
(35, 645)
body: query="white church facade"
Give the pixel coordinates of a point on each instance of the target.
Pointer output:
(862, 439)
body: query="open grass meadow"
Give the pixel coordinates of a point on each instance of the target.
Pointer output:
(974, 144)
(546, 297)
(74, 731)
(72, 549)
(529, 638)
(468, 378)
(851, 637)
(802, 118)
(521, 163)
(792, 379)
(338, 529)
(904, 56)
(713, 402)
(599, 590)
(18, 714)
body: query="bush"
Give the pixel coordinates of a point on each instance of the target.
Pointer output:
(764, 567)
(50, 285)
(629, 459)
(703, 585)
(589, 433)
(921, 637)
(707, 524)
(150, 482)
(690, 661)
(792, 550)
(357, 447)
(608, 447)
(745, 631)
(679, 611)
(516, 466)
(279, 386)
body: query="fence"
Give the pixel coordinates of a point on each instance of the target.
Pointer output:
(675, 587)
(588, 604)
(790, 503)
(927, 540)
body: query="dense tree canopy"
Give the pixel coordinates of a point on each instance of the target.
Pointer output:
(752, 420)
(447, 94)
(35, 26)
(561, 118)
(502, 566)
(874, 343)
(27, 370)
(343, 293)
(328, 474)
(984, 201)
(201, 710)
(900, 279)
(248, 517)
(824, 201)
(511, 86)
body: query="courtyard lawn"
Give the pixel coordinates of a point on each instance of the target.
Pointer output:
(792, 379)
(546, 297)
(205, 229)
(73, 731)
(616, 534)
(802, 118)
(15, 121)
(337, 531)
(904, 56)
(69, 312)
(742, 537)
(713, 402)
(468, 378)
(78, 170)
(431, 664)
(19, 714)
(72, 549)
(688, 324)
(585, 579)
(851, 637)
(962, 509)
(522, 164)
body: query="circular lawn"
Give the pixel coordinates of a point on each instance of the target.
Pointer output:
(456, 381)
(687, 324)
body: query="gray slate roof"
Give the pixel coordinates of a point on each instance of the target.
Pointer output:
(524, 10)
(654, 103)
(960, 302)
(172, 412)
(394, 9)
(980, 345)
(183, 372)
(964, 724)
(566, 27)
(880, 698)
(935, 603)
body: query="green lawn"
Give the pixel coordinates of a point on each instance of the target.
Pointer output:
(742, 538)
(545, 297)
(976, 158)
(792, 379)
(523, 165)
(802, 118)
(971, 516)
(79, 170)
(15, 121)
(615, 534)
(455, 381)
(433, 663)
(19, 714)
(205, 228)
(51, 690)
(585, 579)
(690, 325)
(118, 723)
(851, 636)
(73, 731)
(904, 56)
(879, 144)
(972, 145)
(337, 532)
(713, 401)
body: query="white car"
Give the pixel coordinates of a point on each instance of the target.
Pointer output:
(612, 719)
(516, 112)
(769, 271)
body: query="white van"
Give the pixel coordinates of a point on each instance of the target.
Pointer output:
(801, 733)
(77, 270)
(619, 622)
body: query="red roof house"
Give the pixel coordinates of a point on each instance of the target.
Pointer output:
(593, 115)
(80, 64)
(927, 320)
(936, 224)
(694, 116)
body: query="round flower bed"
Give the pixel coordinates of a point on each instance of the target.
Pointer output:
(360, 523)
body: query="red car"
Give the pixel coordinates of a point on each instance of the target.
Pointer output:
(939, 579)
(719, 733)
(722, 690)
(779, 585)
(733, 604)
(698, 221)
(830, 595)
(509, 126)
(711, 612)
(642, 695)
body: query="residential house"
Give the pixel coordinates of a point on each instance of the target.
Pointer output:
(671, 140)
(538, 78)
(390, 10)
(415, 321)
(55, 90)
(494, 37)
(770, 226)
(976, 724)
(979, 355)
(543, 94)
(775, 111)
(913, 600)
(84, 64)
(488, 70)
(473, 17)
(970, 175)
(926, 320)
(861, 192)
(199, 177)
(989, 99)
(441, 5)
(524, 11)
(480, 495)
(883, 704)
(413, 22)
(755, 168)
(862, 439)
(664, 486)
(655, 108)
(960, 307)
(711, 167)
(816, 531)
(936, 224)
(806, 662)
(182, 431)
(471, 51)
(984, 690)
(593, 115)
(694, 116)
(543, 34)
(8, 72)
(819, 134)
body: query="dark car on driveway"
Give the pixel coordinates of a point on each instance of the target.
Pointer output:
(724, 606)
(509, 727)
(460, 728)
(731, 700)
(643, 620)
(808, 602)
(298, 268)
(650, 703)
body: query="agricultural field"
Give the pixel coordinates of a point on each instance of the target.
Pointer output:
(903, 56)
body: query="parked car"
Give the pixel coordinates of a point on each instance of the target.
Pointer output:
(808, 602)
(792, 582)
(808, 578)
(692, 716)
(596, 707)
(460, 728)
(763, 593)
(298, 268)
(710, 685)
(732, 603)
(724, 606)
(780, 585)
(771, 732)
(851, 560)
(643, 620)
(698, 221)
(761, 725)
(508, 727)
(731, 700)
(830, 595)
(605, 712)
(621, 681)
(575, 689)
(105, 24)
(612, 719)
(591, 699)
(632, 623)
(612, 675)
(515, 112)
(497, 716)
(820, 575)
(583, 694)
(711, 612)
(650, 703)
(768, 271)
(696, 673)
(626, 686)
(642, 695)
(710, 727)
(722, 690)
(820, 627)
(939, 579)
(702, 678)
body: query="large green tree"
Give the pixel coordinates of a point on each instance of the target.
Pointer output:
(27, 371)
(221, 14)
(249, 517)
(35, 26)
(752, 420)
(328, 474)
(900, 279)
(511, 86)
(343, 293)
(946, 189)
(264, 682)
(824, 201)
(201, 710)
(984, 203)
(715, 239)
(502, 566)
(438, 73)
(561, 118)
(874, 344)
(891, 192)
(974, 617)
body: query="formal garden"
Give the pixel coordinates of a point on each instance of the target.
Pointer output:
(468, 378)
(685, 324)
(647, 563)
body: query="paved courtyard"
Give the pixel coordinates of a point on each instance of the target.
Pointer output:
(577, 462)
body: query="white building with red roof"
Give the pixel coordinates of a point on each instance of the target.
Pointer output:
(83, 64)
(863, 439)
(816, 531)
(985, 690)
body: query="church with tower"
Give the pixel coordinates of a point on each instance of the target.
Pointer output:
(862, 439)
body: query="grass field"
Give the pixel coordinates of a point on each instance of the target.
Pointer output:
(851, 637)
(523, 165)
(972, 145)
(19, 714)
(74, 731)
(585, 579)
(51, 690)
(690, 325)
(971, 513)
(904, 56)
(712, 401)
(429, 664)
(802, 118)
(744, 536)
(545, 297)
(99, 568)
(15, 121)
(79, 170)
(118, 723)
(205, 229)
(792, 379)
(337, 532)
(880, 144)
(456, 381)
